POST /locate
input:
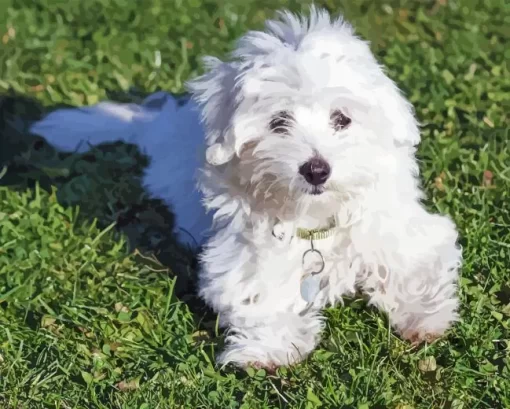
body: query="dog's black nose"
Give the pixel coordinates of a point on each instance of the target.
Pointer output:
(316, 171)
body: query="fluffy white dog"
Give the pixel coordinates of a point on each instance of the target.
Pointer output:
(308, 169)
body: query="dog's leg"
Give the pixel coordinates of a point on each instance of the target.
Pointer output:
(412, 273)
(258, 302)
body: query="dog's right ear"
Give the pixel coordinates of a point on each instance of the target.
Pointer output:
(215, 94)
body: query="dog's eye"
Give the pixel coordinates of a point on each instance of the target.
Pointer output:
(339, 120)
(281, 122)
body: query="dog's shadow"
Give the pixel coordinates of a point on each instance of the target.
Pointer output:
(106, 184)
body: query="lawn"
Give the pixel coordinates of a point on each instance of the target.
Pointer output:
(96, 300)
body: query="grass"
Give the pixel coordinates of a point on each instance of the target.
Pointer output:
(96, 301)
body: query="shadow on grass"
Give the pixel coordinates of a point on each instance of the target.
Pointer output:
(105, 183)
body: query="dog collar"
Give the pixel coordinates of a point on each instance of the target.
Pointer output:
(280, 233)
(317, 234)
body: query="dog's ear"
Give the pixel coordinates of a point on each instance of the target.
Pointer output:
(399, 114)
(215, 94)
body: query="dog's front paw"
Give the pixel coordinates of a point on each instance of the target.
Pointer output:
(418, 337)
(269, 367)
(285, 339)
(428, 328)
(247, 357)
(247, 352)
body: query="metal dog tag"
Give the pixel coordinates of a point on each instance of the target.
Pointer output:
(313, 264)
(310, 287)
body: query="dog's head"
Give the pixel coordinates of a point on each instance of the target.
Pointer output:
(303, 111)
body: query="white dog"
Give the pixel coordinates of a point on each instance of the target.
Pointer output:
(308, 169)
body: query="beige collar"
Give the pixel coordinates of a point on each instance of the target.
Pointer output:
(317, 234)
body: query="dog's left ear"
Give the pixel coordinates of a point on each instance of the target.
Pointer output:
(215, 93)
(400, 115)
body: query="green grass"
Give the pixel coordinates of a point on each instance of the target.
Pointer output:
(96, 304)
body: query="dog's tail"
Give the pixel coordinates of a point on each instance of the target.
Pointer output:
(78, 129)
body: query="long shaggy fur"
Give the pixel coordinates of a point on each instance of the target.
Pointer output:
(404, 258)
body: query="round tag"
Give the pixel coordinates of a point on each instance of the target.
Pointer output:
(310, 287)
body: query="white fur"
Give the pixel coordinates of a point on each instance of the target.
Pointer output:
(169, 134)
(386, 243)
